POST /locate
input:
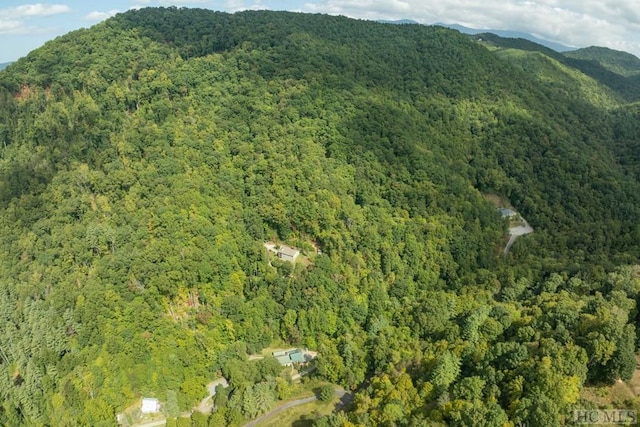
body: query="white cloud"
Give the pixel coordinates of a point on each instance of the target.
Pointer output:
(10, 26)
(12, 19)
(177, 2)
(38, 9)
(100, 16)
(610, 23)
(240, 5)
(139, 4)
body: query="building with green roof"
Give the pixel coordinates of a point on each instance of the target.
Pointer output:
(288, 358)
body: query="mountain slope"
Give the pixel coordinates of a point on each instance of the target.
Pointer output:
(560, 78)
(558, 47)
(626, 86)
(145, 161)
(622, 63)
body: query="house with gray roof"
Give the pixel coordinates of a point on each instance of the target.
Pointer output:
(287, 253)
(284, 252)
(507, 213)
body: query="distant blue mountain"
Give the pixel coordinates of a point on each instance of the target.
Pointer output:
(399, 21)
(511, 34)
(4, 65)
(558, 47)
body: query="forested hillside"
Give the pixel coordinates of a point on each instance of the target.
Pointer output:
(618, 71)
(622, 63)
(145, 161)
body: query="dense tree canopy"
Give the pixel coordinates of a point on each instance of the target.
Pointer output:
(145, 161)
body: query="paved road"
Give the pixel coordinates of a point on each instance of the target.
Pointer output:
(153, 424)
(345, 399)
(280, 409)
(204, 405)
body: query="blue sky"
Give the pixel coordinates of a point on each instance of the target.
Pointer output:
(25, 26)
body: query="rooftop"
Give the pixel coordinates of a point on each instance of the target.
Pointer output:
(506, 212)
(288, 357)
(288, 250)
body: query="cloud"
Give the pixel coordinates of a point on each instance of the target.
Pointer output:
(367, 9)
(240, 5)
(100, 16)
(12, 19)
(177, 2)
(38, 9)
(139, 4)
(10, 26)
(610, 23)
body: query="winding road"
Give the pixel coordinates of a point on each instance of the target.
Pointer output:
(280, 409)
(205, 405)
(345, 399)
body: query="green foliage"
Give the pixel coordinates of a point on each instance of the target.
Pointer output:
(618, 71)
(198, 419)
(145, 161)
(446, 370)
(325, 393)
(171, 404)
(622, 63)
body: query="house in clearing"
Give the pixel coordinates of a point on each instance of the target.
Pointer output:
(150, 405)
(289, 357)
(284, 252)
(287, 253)
(507, 213)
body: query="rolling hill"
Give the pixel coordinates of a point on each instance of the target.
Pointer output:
(622, 63)
(615, 69)
(146, 161)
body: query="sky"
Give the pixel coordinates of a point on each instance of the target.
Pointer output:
(25, 26)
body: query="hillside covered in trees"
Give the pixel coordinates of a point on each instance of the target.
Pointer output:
(145, 161)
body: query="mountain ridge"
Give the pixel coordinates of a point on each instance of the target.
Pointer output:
(145, 162)
(623, 63)
(591, 62)
(558, 47)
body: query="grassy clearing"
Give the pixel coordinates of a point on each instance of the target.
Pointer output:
(300, 416)
(517, 223)
(625, 395)
(275, 346)
(498, 201)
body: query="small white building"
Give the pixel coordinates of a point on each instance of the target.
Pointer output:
(284, 252)
(287, 253)
(150, 405)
